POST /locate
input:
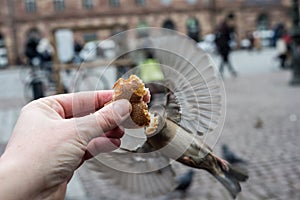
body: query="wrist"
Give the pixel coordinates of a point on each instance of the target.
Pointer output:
(18, 180)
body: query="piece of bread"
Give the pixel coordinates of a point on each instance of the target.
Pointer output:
(134, 90)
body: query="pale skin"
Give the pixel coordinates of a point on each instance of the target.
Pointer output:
(53, 137)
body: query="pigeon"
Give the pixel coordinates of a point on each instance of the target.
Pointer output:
(259, 123)
(229, 156)
(182, 119)
(185, 181)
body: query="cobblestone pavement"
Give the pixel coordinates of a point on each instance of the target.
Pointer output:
(272, 150)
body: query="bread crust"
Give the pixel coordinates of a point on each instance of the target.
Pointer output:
(133, 89)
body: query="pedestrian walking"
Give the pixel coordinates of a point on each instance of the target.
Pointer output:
(150, 69)
(282, 50)
(224, 35)
(288, 41)
(78, 46)
(152, 75)
(45, 51)
(31, 52)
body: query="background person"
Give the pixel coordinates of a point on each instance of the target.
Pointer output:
(45, 51)
(223, 38)
(31, 52)
(282, 51)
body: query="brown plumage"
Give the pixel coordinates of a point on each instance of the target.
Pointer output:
(172, 138)
(192, 111)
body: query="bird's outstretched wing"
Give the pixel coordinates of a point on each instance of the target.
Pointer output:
(194, 83)
(145, 174)
(196, 104)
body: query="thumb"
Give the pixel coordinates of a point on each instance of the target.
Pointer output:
(105, 119)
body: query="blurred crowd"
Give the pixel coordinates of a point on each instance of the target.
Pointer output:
(224, 39)
(40, 52)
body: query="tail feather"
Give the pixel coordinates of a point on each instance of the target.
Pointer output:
(230, 177)
(230, 183)
(238, 173)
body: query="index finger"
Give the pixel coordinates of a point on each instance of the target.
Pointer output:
(78, 104)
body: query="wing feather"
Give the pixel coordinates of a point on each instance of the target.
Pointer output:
(193, 82)
(144, 174)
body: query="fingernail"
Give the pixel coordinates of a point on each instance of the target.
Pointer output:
(122, 107)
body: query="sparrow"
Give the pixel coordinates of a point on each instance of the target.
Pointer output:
(181, 144)
(189, 112)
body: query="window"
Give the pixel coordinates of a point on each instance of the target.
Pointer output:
(262, 21)
(261, 2)
(142, 29)
(193, 29)
(90, 37)
(191, 1)
(140, 2)
(169, 24)
(59, 5)
(88, 4)
(166, 2)
(114, 3)
(2, 44)
(30, 6)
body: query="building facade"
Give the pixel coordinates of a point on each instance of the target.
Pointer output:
(99, 19)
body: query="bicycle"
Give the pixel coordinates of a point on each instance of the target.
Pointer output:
(84, 79)
(37, 80)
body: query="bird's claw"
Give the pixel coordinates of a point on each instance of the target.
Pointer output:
(189, 160)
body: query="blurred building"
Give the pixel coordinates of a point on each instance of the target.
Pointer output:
(98, 19)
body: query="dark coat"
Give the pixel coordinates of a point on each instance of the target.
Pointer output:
(223, 38)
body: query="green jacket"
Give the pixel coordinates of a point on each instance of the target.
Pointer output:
(150, 71)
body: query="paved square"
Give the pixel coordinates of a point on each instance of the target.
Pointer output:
(271, 148)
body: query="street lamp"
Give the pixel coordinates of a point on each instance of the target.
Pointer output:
(295, 33)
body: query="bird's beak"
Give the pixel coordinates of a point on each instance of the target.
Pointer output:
(157, 123)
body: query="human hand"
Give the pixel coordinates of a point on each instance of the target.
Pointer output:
(53, 137)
